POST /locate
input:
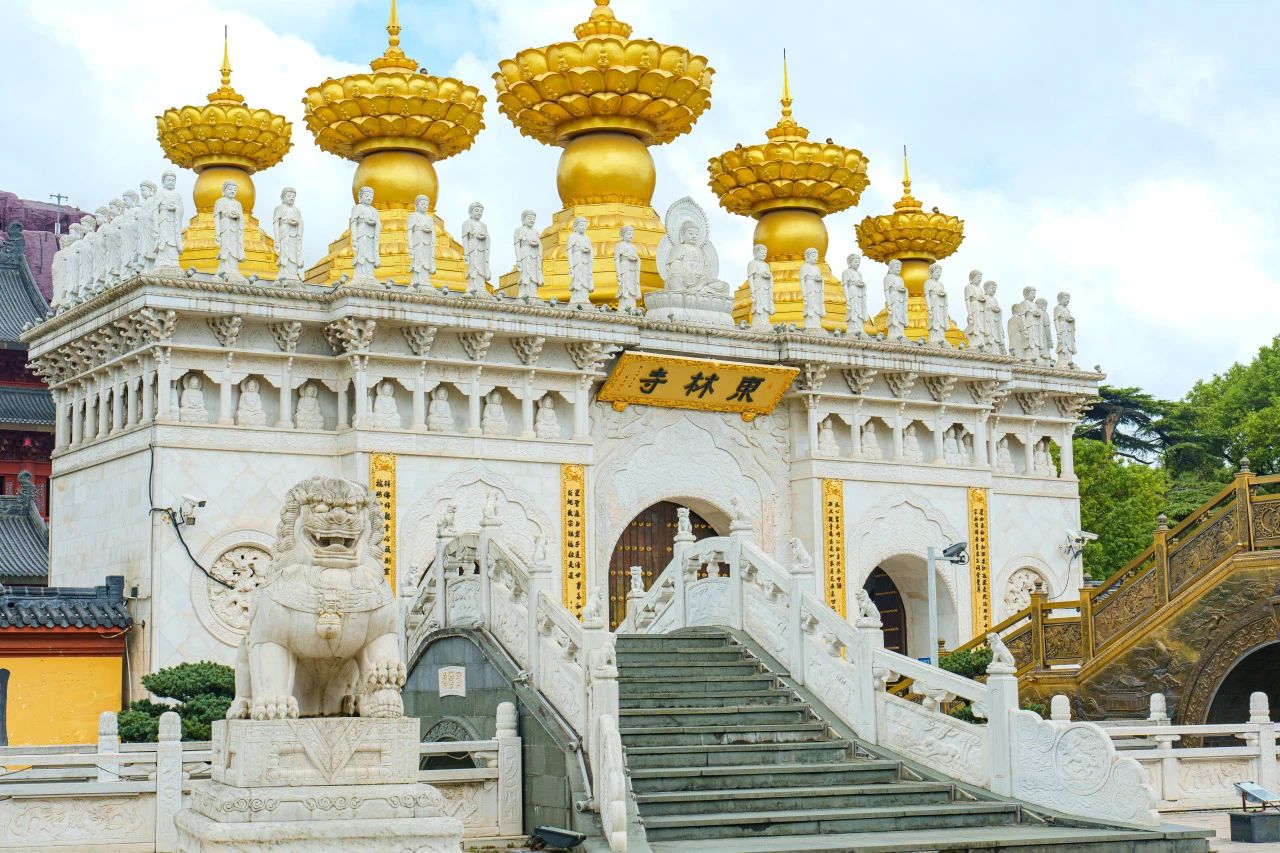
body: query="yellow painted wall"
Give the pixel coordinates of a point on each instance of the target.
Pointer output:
(58, 699)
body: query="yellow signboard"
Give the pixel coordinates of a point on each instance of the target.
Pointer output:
(641, 378)
(382, 478)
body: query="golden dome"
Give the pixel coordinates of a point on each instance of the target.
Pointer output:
(788, 170)
(223, 132)
(910, 232)
(396, 107)
(604, 81)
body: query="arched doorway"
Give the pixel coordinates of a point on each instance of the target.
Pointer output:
(1255, 672)
(884, 594)
(646, 542)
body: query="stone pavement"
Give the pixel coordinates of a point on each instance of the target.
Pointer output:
(1221, 824)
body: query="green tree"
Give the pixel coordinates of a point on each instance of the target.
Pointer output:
(202, 691)
(1119, 501)
(1235, 414)
(1125, 419)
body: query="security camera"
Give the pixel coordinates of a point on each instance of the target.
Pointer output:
(187, 509)
(956, 553)
(1084, 536)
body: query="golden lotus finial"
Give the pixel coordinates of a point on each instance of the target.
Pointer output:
(225, 94)
(908, 201)
(786, 130)
(602, 22)
(394, 57)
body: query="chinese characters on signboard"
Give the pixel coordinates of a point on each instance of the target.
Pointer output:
(574, 528)
(382, 481)
(833, 542)
(689, 383)
(980, 561)
(453, 681)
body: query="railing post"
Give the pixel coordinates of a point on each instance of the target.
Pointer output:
(1160, 551)
(684, 539)
(1039, 598)
(635, 595)
(540, 580)
(868, 638)
(1002, 702)
(1244, 518)
(510, 773)
(802, 576)
(1159, 716)
(489, 524)
(443, 532)
(1060, 708)
(108, 746)
(1260, 715)
(168, 781)
(1086, 625)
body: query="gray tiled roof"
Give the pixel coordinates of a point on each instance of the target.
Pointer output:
(65, 607)
(24, 537)
(20, 299)
(25, 405)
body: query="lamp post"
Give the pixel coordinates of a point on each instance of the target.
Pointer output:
(956, 554)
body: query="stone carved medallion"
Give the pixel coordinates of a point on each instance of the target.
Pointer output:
(242, 569)
(1081, 759)
(1018, 589)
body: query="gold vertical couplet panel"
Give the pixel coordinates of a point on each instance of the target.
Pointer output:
(573, 503)
(980, 561)
(833, 542)
(382, 479)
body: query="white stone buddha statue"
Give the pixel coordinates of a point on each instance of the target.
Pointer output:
(307, 414)
(440, 412)
(421, 230)
(870, 443)
(493, 420)
(827, 445)
(626, 263)
(386, 413)
(546, 425)
(249, 411)
(911, 445)
(191, 408)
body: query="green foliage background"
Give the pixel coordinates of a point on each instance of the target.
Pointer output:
(203, 691)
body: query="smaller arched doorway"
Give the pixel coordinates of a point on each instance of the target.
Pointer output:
(1253, 673)
(893, 619)
(647, 542)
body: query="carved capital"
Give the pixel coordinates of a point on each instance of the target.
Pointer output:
(227, 329)
(286, 335)
(939, 387)
(859, 379)
(419, 338)
(900, 384)
(476, 344)
(349, 336)
(528, 349)
(987, 392)
(1030, 401)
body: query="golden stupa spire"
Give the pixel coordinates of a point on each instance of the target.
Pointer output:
(602, 22)
(908, 201)
(225, 94)
(393, 57)
(786, 129)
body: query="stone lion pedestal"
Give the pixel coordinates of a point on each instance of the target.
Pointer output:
(311, 785)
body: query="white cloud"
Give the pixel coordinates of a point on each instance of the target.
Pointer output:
(1174, 81)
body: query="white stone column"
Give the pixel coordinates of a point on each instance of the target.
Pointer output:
(855, 432)
(897, 437)
(420, 399)
(526, 409)
(226, 415)
(1067, 453)
(108, 746)
(117, 405)
(104, 411)
(148, 382)
(77, 419)
(59, 419)
(163, 385)
(285, 420)
(131, 400)
(939, 457)
(1002, 701)
(581, 412)
(510, 773)
(473, 407)
(342, 406)
(992, 441)
(980, 455)
(168, 780)
(1029, 453)
(812, 422)
(361, 392)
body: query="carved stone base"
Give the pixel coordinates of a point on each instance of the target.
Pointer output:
(305, 786)
(689, 308)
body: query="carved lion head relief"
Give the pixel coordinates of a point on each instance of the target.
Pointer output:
(331, 523)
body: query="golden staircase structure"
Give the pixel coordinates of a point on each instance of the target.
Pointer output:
(1175, 620)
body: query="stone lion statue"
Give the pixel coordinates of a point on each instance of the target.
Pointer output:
(322, 626)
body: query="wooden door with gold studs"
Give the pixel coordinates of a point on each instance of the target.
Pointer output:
(646, 542)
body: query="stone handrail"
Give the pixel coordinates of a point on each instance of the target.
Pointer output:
(611, 783)
(475, 581)
(1243, 517)
(732, 583)
(1187, 776)
(110, 795)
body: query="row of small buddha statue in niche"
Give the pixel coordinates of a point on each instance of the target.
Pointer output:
(957, 449)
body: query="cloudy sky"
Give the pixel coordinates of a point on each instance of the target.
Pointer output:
(1121, 151)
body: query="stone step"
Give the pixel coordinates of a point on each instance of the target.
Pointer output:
(1022, 838)
(698, 735)
(798, 797)
(726, 715)
(707, 755)
(898, 818)
(704, 699)
(635, 685)
(649, 642)
(680, 657)
(746, 776)
(693, 668)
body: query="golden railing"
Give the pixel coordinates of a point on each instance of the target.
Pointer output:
(1243, 517)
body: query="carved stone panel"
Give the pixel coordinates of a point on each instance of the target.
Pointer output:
(1203, 551)
(1125, 608)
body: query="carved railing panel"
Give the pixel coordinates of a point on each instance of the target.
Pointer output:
(1126, 607)
(1204, 549)
(1061, 641)
(1266, 521)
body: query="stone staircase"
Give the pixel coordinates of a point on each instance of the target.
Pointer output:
(723, 756)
